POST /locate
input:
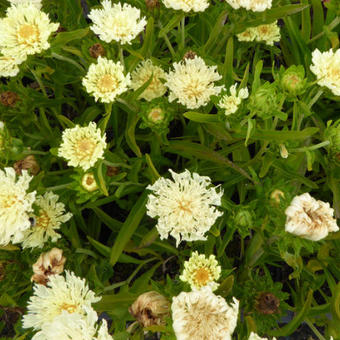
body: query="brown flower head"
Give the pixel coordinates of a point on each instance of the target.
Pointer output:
(112, 171)
(150, 309)
(151, 4)
(9, 98)
(97, 50)
(50, 263)
(267, 303)
(28, 163)
(189, 55)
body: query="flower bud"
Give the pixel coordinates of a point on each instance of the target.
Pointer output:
(9, 98)
(28, 163)
(293, 80)
(267, 303)
(244, 218)
(50, 263)
(283, 151)
(150, 309)
(97, 50)
(189, 55)
(277, 196)
(89, 182)
(156, 116)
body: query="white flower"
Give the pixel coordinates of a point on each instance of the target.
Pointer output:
(326, 67)
(192, 83)
(142, 74)
(70, 294)
(25, 30)
(251, 5)
(51, 214)
(15, 205)
(200, 271)
(36, 3)
(82, 146)
(231, 103)
(236, 4)
(248, 35)
(310, 218)
(254, 336)
(201, 315)
(185, 207)
(88, 182)
(187, 6)
(9, 66)
(106, 80)
(117, 22)
(269, 34)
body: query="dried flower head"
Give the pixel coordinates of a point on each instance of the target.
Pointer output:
(150, 309)
(112, 171)
(310, 218)
(201, 271)
(267, 303)
(231, 103)
(203, 315)
(187, 6)
(185, 207)
(189, 55)
(29, 163)
(117, 22)
(106, 80)
(97, 50)
(82, 146)
(50, 263)
(88, 182)
(151, 4)
(9, 98)
(192, 83)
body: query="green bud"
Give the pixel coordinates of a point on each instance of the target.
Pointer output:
(293, 80)
(332, 134)
(244, 218)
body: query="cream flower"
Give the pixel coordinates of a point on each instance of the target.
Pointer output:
(9, 66)
(326, 67)
(36, 3)
(185, 207)
(254, 336)
(269, 34)
(121, 23)
(50, 216)
(187, 6)
(310, 218)
(200, 271)
(15, 205)
(25, 30)
(231, 103)
(142, 74)
(251, 5)
(192, 82)
(70, 294)
(106, 80)
(201, 315)
(88, 182)
(82, 146)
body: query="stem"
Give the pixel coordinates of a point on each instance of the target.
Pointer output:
(38, 80)
(316, 332)
(68, 60)
(167, 41)
(106, 118)
(59, 187)
(121, 56)
(183, 31)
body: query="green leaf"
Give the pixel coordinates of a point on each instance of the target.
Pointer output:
(201, 117)
(112, 223)
(130, 137)
(173, 22)
(100, 178)
(226, 286)
(227, 70)
(65, 37)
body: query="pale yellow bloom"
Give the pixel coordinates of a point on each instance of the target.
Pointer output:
(187, 6)
(89, 183)
(231, 103)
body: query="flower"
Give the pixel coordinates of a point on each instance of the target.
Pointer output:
(269, 34)
(144, 71)
(201, 271)
(9, 66)
(50, 263)
(254, 336)
(89, 183)
(192, 82)
(231, 103)
(185, 207)
(121, 23)
(29, 163)
(310, 218)
(36, 3)
(326, 67)
(150, 309)
(25, 30)
(70, 294)
(15, 205)
(51, 214)
(187, 6)
(106, 80)
(251, 5)
(203, 315)
(82, 146)
(267, 303)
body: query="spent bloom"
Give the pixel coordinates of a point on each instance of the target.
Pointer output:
(50, 215)
(105, 80)
(187, 6)
(192, 82)
(121, 23)
(144, 71)
(201, 271)
(185, 207)
(24, 31)
(231, 103)
(326, 67)
(269, 34)
(203, 315)
(251, 5)
(310, 218)
(15, 205)
(36, 3)
(82, 146)
(254, 336)
(70, 294)
(9, 66)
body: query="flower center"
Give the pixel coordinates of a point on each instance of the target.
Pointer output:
(28, 33)
(202, 276)
(156, 115)
(185, 206)
(43, 220)
(193, 90)
(68, 307)
(107, 83)
(9, 201)
(89, 180)
(84, 148)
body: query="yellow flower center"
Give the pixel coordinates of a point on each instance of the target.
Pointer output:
(84, 148)
(185, 206)
(68, 307)
(193, 90)
(43, 220)
(202, 276)
(28, 33)
(107, 83)
(156, 115)
(9, 200)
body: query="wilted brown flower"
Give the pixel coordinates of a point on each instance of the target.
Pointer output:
(190, 55)
(150, 309)
(9, 98)
(151, 4)
(97, 50)
(112, 171)
(267, 303)
(50, 263)
(28, 163)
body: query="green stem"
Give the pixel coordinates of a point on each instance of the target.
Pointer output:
(38, 80)
(68, 60)
(183, 31)
(167, 41)
(316, 332)
(106, 118)
(121, 56)
(59, 187)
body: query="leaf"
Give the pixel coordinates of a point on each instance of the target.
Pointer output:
(100, 178)
(226, 286)
(130, 225)
(201, 117)
(63, 38)
(173, 22)
(130, 133)
(112, 223)
(227, 70)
